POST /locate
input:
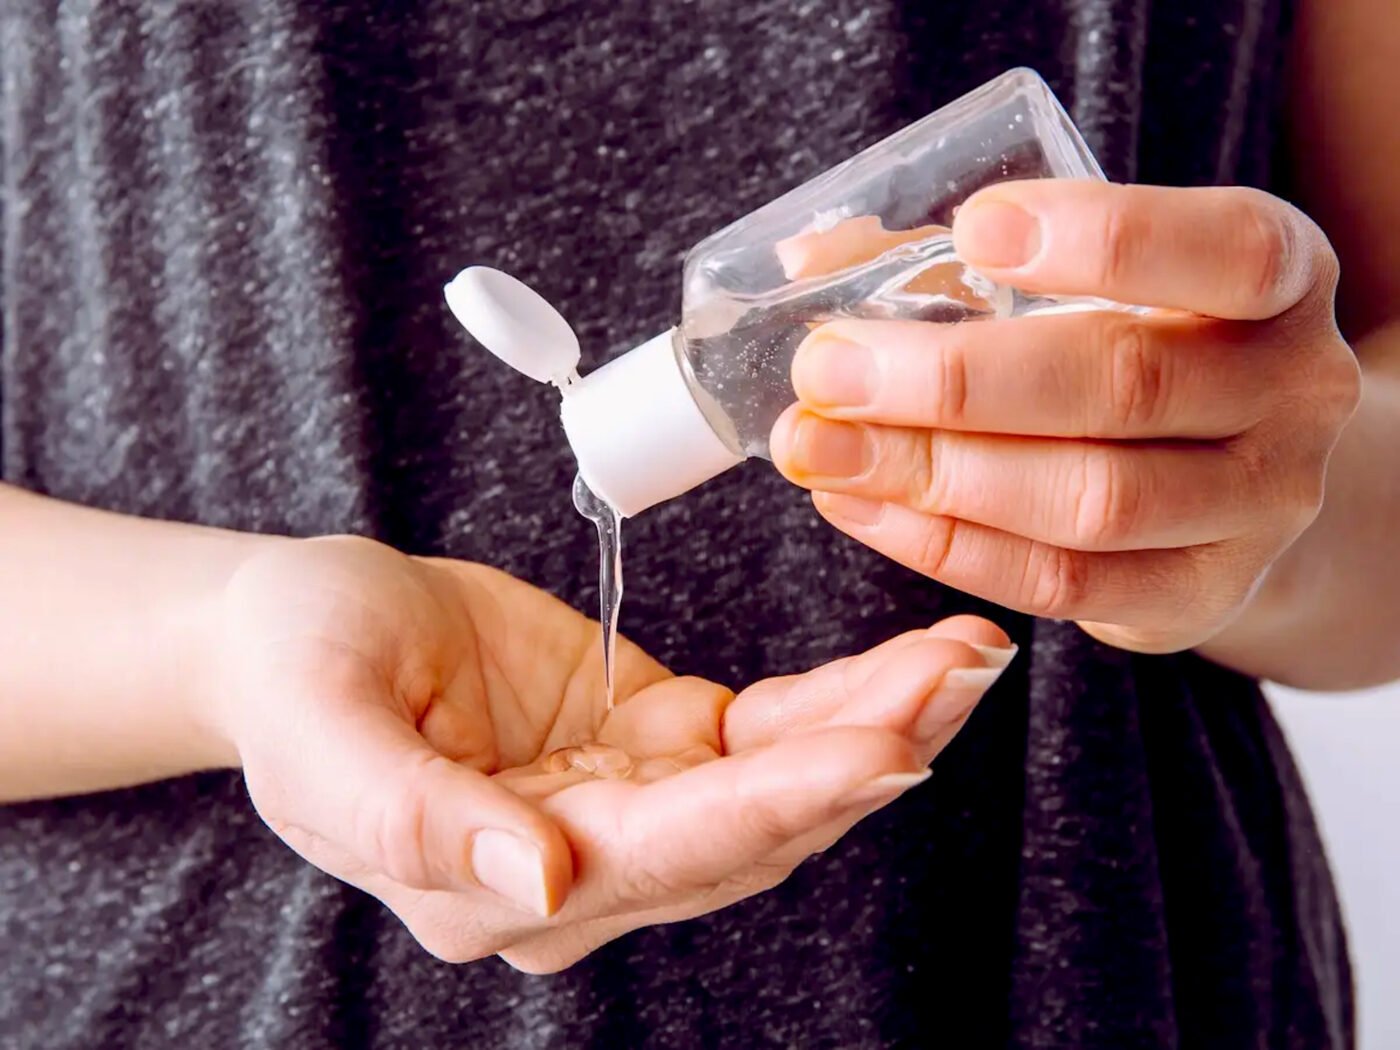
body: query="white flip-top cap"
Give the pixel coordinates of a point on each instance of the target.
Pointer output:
(515, 323)
(638, 431)
(635, 425)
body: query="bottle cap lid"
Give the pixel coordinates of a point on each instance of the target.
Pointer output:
(515, 323)
(639, 432)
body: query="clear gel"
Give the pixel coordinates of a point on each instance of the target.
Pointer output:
(609, 524)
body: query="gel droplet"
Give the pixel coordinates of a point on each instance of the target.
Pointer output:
(599, 760)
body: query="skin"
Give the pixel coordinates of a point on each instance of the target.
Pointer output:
(406, 725)
(1158, 477)
(400, 721)
(1135, 473)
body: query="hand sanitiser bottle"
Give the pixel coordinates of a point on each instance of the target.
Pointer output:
(868, 239)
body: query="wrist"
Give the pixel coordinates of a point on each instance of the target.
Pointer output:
(203, 669)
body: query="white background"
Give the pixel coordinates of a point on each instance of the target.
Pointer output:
(1349, 749)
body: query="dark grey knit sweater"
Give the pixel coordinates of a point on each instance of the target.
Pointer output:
(225, 229)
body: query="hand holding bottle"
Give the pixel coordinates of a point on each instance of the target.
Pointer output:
(436, 733)
(1137, 473)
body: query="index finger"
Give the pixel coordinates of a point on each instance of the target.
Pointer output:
(1232, 253)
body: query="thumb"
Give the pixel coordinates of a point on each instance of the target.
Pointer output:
(374, 788)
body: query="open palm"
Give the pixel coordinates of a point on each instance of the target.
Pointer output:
(437, 733)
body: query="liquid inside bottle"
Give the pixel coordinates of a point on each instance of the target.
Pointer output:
(737, 348)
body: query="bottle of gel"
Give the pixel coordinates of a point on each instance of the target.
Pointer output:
(870, 238)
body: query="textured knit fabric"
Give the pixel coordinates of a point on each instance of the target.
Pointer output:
(225, 231)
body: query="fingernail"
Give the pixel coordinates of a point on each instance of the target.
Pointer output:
(997, 656)
(997, 234)
(512, 867)
(851, 509)
(834, 372)
(942, 710)
(887, 788)
(827, 448)
(972, 677)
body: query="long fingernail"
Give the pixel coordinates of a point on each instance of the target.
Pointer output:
(828, 449)
(997, 655)
(831, 371)
(997, 234)
(972, 677)
(512, 867)
(966, 683)
(886, 788)
(851, 509)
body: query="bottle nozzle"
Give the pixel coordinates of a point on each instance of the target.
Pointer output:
(635, 427)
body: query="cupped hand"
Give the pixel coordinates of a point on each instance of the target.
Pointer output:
(1136, 472)
(437, 734)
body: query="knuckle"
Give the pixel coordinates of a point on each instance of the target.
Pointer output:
(536, 963)
(926, 473)
(950, 392)
(449, 944)
(641, 883)
(1195, 591)
(934, 545)
(1311, 491)
(1259, 466)
(1121, 237)
(1311, 254)
(1107, 501)
(451, 951)
(769, 820)
(396, 835)
(1294, 483)
(553, 952)
(1055, 582)
(1327, 267)
(1267, 248)
(1340, 382)
(1216, 585)
(1137, 376)
(760, 878)
(1188, 582)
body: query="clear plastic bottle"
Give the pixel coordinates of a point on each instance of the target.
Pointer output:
(869, 238)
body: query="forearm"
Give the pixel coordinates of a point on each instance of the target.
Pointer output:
(1328, 614)
(106, 621)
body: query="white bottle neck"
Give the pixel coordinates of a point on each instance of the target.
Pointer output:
(638, 432)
